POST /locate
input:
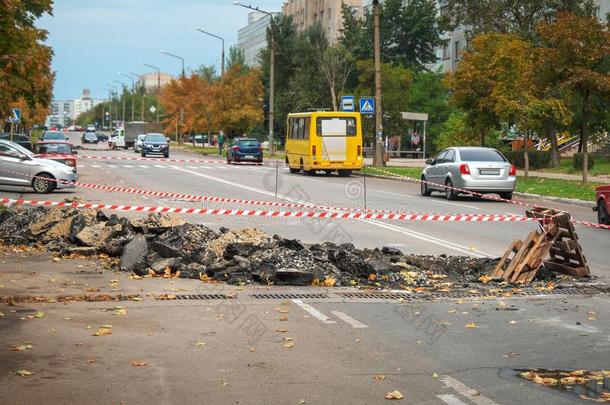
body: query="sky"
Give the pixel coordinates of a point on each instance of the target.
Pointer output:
(94, 40)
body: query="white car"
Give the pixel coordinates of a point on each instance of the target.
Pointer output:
(137, 146)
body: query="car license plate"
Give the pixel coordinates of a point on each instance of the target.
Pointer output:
(489, 172)
(249, 157)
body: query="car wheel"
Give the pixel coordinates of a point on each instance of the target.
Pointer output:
(506, 196)
(602, 213)
(450, 192)
(425, 191)
(344, 173)
(166, 155)
(143, 154)
(43, 183)
(293, 170)
(328, 172)
(303, 171)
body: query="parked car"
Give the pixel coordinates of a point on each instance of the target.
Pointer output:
(53, 136)
(245, 150)
(58, 151)
(89, 137)
(602, 196)
(20, 139)
(202, 139)
(102, 137)
(155, 144)
(24, 169)
(481, 170)
(90, 128)
(137, 146)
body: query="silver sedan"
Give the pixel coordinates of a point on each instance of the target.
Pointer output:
(479, 170)
(19, 167)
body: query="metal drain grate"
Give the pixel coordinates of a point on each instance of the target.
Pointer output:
(375, 295)
(431, 295)
(289, 296)
(204, 297)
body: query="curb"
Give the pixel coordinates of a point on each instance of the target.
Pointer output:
(571, 201)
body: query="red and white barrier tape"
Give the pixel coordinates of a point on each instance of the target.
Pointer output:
(164, 160)
(275, 214)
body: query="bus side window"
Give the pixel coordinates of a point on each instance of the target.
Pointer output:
(295, 128)
(301, 127)
(288, 128)
(306, 128)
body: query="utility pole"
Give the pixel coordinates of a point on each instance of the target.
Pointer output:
(378, 160)
(133, 95)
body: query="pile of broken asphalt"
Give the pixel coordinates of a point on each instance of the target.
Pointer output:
(168, 246)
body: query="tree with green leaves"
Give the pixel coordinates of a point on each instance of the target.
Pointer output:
(508, 16)
(577, 49)
(25, 62)
(410, 33)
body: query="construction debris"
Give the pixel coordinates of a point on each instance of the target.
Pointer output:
(556, 238)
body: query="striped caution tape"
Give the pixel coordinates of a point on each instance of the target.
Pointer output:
(275, 214)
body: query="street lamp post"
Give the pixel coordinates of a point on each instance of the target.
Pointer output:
(177, 57)
(222, 60)
(133, 94)
(116, 107)
(378, 160)
(271, 72)
(136, 76)
(122, 99)
(158, 84)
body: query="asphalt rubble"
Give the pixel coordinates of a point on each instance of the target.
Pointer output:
(164, 245)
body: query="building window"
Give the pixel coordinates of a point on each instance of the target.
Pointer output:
(446, 52)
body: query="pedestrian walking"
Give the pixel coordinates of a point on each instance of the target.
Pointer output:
(221, 140)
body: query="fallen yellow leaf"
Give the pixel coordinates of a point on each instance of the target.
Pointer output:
(104, 330)
(394, 395)
(38, 314)
(24, 373)
(513, 322)
(484, 279)
(120, 312)
(471, 325)
(21, 348)
(281, 330)
(200, 344)
(288, 345)
(138, 363)
(379, 377)
(329, 282)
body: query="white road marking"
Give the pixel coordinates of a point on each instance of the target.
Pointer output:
(349, 320)
(96, 166)
(192, 167)
(312, 311)
(404, 231)
(466, 391)
(159, 166)
(143, 166)
(451, 399)
(112, 166)
(556, 321)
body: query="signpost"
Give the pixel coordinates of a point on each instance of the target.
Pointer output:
(15, 118)
(347, 103)
(367, 105)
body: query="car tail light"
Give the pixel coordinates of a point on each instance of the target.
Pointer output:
(359, 150)
(235, 148)
(464, 169)
(313, 150)
(513, 171)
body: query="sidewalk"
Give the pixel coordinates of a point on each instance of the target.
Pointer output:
(562, 176)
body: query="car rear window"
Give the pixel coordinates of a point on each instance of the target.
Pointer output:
(54, 148)
(481, 155)
(247, 143)
(53, 135)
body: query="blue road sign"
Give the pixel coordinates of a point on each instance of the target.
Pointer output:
(367, 105)
(15, 116)
(347, 103)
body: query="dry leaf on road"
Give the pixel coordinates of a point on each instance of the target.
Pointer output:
(394, 395)
(103, 330)
(39, 314)
(288, 345)
(379, 377)
(21, 348)
(138, 363)
(471, 325)
(23, 373)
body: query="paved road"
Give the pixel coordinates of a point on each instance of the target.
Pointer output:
(237, 351)
(259, 183)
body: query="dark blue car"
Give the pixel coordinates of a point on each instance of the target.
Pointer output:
(245, 150)
(155, 144)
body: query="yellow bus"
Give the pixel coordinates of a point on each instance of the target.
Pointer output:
(324, 141)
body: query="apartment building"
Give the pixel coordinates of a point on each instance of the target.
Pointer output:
(305, 13)
(252, 38)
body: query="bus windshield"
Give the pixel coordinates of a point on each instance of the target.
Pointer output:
(336, 126)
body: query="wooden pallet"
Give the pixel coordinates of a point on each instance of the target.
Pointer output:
(556, 237)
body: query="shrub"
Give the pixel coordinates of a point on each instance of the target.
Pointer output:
(538, 159)
(577, 162)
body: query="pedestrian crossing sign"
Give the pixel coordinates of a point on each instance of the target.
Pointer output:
(367, 105)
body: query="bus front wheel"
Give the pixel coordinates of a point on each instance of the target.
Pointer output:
(345, 173)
